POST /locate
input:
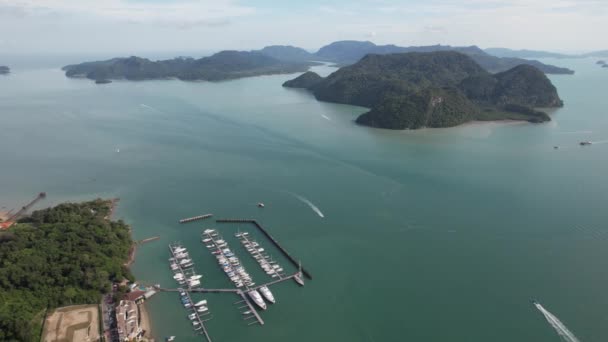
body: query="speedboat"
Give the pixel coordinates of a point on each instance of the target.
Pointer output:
(196, 277)
(192, 316)
(261, 205)
(201, 303)
(202, 309)
(257, 299)
(267, 294)
(585, 143)
(208, 231)
(170, 339)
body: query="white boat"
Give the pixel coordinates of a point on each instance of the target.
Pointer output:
(196, 277)
(179, 249)
(267, 294)
(257, 299)
(299, 279)
(192, 316)
(207, 240)
(201, 303)
(194, 283)
(170, 339)
(195, 323)
(208, 231)
(185, 261)
(202, 309)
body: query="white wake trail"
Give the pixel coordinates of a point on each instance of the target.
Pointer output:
(326, 117)
(309, 203)
(559, 327)
(146, 106)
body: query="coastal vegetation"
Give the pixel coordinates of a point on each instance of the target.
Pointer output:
(220, 66)
(436, 89)
(4, 70)
(66, 255)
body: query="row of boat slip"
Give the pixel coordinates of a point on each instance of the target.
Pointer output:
(195, 310)
(226, 259)
(181, 265)
(268, 265)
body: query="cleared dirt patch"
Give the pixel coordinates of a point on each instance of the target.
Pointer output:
(78, 323)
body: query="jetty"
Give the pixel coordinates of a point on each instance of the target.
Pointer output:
(200, 323)
(272, 239)
(195, 218)
(13, 218)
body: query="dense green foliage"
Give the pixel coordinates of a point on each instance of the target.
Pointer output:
(60, 256)
(307, 80)
(435, 89)
(4, 70)
(375, 77)
(348, 52)
(221, 66)
(431, 107)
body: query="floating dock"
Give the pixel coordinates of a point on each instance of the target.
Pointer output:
(195, 218)
(275, 242)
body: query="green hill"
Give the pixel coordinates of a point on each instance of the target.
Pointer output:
(220, 66)
(436, 89)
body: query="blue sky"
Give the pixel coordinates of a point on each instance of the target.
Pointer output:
(139, 26)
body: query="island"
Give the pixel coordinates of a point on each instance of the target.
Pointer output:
(4, 70)
(66, 255)
(433, 89)
(223, 65)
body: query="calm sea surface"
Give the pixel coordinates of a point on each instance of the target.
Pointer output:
(431, 235)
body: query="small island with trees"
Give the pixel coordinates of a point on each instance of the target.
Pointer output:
(4, 70)
(66, 255)
(433, 89)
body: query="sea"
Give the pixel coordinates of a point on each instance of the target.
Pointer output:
(428, 235)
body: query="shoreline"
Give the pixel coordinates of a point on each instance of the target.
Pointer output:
(145, 323)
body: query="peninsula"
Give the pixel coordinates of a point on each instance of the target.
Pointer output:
(4, 70)
(434, 89)
(224, 65)
(66, 255)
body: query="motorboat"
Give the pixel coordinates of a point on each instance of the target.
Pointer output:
(585, 143)
(196, 277)
(202, 309)
(170, 339)
(192, 316)
(261, 205)
(201, 303)
(257, 299)
(267, 294)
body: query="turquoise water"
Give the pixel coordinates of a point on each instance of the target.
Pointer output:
(430, 235)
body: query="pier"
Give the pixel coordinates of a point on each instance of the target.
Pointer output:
(25, 208)
(275, 242)
(201, 322)
(195, 218)
(150, 239)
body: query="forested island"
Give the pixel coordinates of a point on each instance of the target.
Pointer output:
(435, 89)
(66, 255)
(224, 65)
(4, 70)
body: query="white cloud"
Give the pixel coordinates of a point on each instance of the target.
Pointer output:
(182, 14)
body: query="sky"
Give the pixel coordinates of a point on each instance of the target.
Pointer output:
(140, 26)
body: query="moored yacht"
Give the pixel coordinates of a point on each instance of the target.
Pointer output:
(298, 279)
(201, 303)
(257, 299)
(267, 294)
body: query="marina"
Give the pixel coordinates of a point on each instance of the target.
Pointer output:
(273, 240)
(184, 274)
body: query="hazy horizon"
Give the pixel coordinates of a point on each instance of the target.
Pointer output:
(153, 26)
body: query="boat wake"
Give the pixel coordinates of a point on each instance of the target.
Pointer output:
(326, 117)
(146, 106)
(599, 142)
(559, 327)
(309, 203)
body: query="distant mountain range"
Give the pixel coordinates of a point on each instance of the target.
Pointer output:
(433, 89)
(503, 52)
(349, 51)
